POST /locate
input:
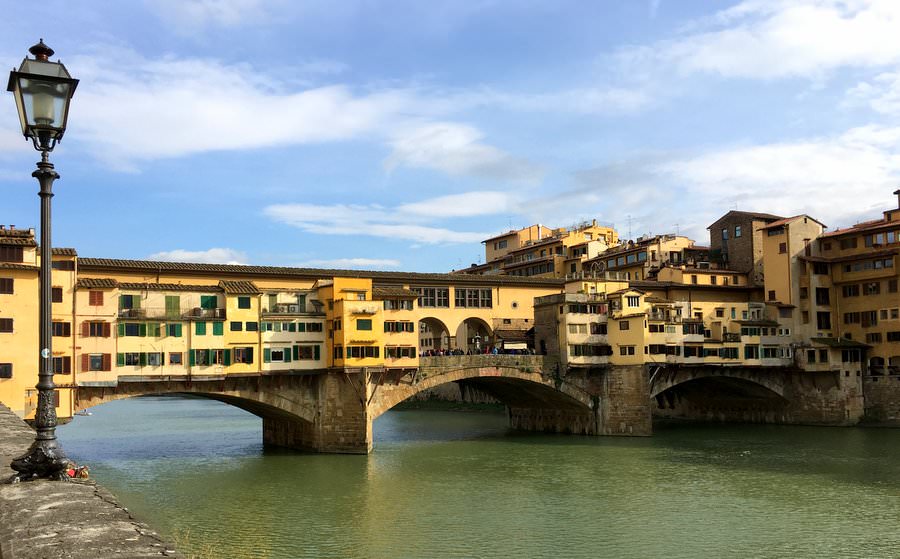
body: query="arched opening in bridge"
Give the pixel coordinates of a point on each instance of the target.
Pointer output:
(719, 398)
(894, 365)
(433, 335)
(474, 336)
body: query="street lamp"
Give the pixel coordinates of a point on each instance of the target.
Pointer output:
(43, 90)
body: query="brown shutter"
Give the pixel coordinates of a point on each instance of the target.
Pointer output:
(107, 362)
(85, 329)
(85, 362)
(106, 329)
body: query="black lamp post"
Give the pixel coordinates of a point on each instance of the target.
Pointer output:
(43, 90)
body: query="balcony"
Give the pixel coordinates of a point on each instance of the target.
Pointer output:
(730, 337)
(153, 313)
(283, 308)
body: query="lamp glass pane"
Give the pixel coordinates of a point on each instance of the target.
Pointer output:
(44, 101)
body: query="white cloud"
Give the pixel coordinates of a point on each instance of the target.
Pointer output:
(211, 256)
(410, 222)
(824, 177)
(455, 149)
(188, 15)
(353, 263)
(782, 38)
(881, 94)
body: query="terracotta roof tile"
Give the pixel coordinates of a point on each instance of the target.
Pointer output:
(170, 287)
(64, 251)
(239, 287)
(96, 283)
(417, 278)
(18, 241)
(393, 292)
(18, 266)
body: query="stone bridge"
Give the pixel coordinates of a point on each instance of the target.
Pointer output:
(333, 410)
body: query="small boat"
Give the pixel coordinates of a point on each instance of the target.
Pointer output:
(84, 413)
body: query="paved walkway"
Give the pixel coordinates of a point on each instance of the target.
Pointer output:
(56, 520)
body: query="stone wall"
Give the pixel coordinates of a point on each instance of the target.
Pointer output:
(882, 397)
(75, 520)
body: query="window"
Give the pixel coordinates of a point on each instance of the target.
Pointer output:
(129, 359)
(626, 350)
(95, 298)
(237, 326)
(694, 279)
(577, 328)
(362, 352)
(243, 355)
(6, 286)
(95, 329)
(751, 352)
(633, 301)
(62, 365)
(850, 290)
(720, 313)
(472, 298)
(363, 323)
(173, 330)
(218, 328)
(252, 326)
(399, 352)
(61, 329)
(820, 268)
(785, 312)
(175, 358)
(243, 302)
(397, 327)
(129, 302)
(199, 328)
(804, 293)
(398, 304)
(433, 296)
(56, 294)
(624, 325)
(361, 296)
(712, 280)
(155, 359)
(598, 328)
(771, 295)
(500, 244)
(208, 302)
(823, 296)
(848, 243)
(6, 325)
(873, 338)
(5, 370)
(782, 248)
(871, 288)
(97, 362)
(173, 306)
(892, 286)
(724, 234)
(11, 254)
(737, 231)
(823, 320)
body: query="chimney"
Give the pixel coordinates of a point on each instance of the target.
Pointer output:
(897, 194)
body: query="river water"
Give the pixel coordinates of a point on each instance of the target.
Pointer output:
(459, 484)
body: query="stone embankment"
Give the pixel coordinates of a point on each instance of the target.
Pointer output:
(58, 520)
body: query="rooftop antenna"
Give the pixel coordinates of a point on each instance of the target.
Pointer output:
(628, 217)
(677, 231)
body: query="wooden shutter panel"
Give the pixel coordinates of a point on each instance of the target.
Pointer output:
(227, 356)
(218, 328)
(143, 359)
(209, 356)
(287, 355)
(120, 360)
(85, 329)
(106, 329)
(121, 329)
(267, 355)
(85, 362)
(296, 352)
(106, 362)
(192, 357)
(178, 330)
(316, 353)
(249, 355)
(142, 330)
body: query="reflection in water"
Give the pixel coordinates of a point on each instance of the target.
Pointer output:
(454, 484)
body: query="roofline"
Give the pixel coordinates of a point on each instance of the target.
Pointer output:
(87, 264)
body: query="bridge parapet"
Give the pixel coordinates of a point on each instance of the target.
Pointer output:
(527, 363)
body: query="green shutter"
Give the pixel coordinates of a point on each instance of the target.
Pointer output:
(301, 327)
(143, 359)
(226, 356)
(218, 328)
(177, 330)
(249, 355)
(267, 355)
(120, 359)
(121, 302)
(200, 328)
(121, 329)
(296, 351)
(173, 306)
(135, 301)
(142, 330)
(292, 327)
(209, 356)
(192, 357)
(154, 329)
(316, 352)
(287, 355)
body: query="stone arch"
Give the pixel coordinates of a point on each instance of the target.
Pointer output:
(433, 334)
(894, 365)
(759, 384)
(473, 335)
(275, 397)
(511, 385)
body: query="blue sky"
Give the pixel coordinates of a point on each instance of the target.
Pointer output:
(396, 135)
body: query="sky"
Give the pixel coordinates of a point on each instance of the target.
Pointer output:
(397, 135)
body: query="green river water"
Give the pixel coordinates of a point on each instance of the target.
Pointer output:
(459, 484)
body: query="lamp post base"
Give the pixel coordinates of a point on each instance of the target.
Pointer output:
(44, 460)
